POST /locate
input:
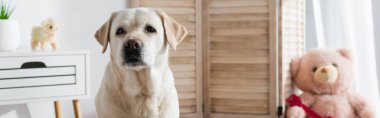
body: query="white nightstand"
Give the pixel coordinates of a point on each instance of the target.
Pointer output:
(31, 76)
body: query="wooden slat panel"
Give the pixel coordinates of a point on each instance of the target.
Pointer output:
(188, 25)
(182, 60)
(240, 67)
(240, 74)
(242, 82)
(239, 96)
(167, 3)
(185, 88)
(187, 102)
(240, 88)
(177, 10)
(239, 24)
(239, 31)
(238, 3)
(223, 115)
(239, 17)
(239, 53)
(183, 67)
(239, 38)
(185, 74)
(184, 81)
(186, 46)
(292, 41)
(240, 44)
(239, 10)
(183, 53)
(190, 109)
(186, 59)
(191, 115)
(242, 110)
(239, 58)
(186, 95)
(184, 18)
(237, 103)
(259, 44)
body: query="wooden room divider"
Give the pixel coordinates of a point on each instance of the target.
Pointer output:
(292, 43)
(240, 58)
(234, 62)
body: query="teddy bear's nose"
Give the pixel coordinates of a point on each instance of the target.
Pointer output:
(324, 70)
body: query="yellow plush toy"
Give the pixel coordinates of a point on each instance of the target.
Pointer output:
(45, 34)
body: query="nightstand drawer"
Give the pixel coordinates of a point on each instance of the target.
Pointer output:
(43, 76)
(36, 72)
(36, 82)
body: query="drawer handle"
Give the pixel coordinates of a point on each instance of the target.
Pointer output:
(35, 64)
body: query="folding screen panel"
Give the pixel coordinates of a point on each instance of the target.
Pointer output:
(186, 61)
(241, 58)
(292, 37)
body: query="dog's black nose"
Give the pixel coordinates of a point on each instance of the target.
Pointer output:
(132, 44)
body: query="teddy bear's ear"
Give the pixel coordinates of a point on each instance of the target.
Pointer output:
(294, 67)
(345, 53)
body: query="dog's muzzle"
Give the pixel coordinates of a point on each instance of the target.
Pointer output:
(132, 53)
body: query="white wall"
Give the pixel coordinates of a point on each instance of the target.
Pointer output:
(311, 37)
(376, 28)
(80, 18)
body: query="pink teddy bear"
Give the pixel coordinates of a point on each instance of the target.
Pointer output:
(325, 76)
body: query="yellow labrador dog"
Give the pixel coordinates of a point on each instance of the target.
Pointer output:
(138, 82)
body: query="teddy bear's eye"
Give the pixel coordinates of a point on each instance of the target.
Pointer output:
(51, 27)
(315, 69)
(335, 65)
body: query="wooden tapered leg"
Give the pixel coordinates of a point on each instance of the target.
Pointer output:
(57, 109)
(77, 109)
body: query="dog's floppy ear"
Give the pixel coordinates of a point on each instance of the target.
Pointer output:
(174, 32)
(103, 33)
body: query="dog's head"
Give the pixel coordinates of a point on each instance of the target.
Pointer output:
(138, 36)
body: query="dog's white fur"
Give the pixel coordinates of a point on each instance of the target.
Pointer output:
(144, 91)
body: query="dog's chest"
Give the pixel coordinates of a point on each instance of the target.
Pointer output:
(149, 83)
(143, 97)
(141, 106)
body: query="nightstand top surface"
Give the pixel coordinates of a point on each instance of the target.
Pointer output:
(40, 53)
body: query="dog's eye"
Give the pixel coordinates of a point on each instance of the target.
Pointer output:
(150, 29)
(334, 64)
(120, 31)
(51, 27)
(315, 69)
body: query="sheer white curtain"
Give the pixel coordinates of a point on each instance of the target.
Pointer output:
(348, 24)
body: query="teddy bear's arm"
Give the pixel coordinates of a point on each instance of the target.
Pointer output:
(307, 98)
(361, 107)
(297, 112)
